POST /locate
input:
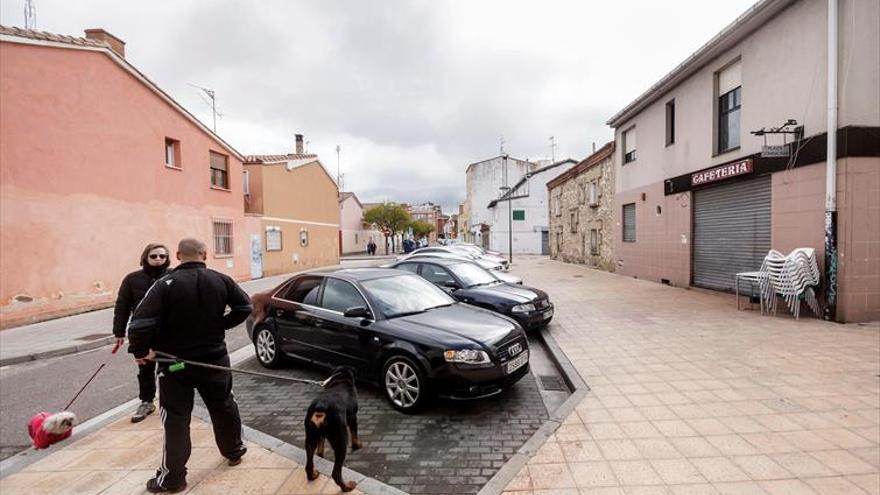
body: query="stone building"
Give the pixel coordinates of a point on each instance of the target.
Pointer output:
(581, 212)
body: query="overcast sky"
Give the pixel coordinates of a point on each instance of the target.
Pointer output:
(412, 91)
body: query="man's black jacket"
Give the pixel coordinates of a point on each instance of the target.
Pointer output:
(131, 291)
(183, 314)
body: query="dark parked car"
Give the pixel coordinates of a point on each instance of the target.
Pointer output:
(472, 284)
(396, 329)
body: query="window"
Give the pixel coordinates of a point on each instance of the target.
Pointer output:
(594, 193)
(355, 238)
(629, 145)
(436, 274)
(222, 238)
(410, 267)
(273, 239)
(574, 220)
(246, 182)
(219, 170)
(557, 205)
(670, 122)
(304, 290)
(582, 192)
(594, 241)
(340, 295)
(729, 93)
(172, 153)
(519, 214)
(629, 222)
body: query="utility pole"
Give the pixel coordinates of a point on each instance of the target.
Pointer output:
(338, 169)
(30, 15)
(552, 149)
(507, 190)
(502, 144)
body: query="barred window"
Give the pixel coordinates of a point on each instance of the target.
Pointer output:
(222, 238)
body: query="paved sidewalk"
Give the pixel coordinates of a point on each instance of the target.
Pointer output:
(80, 332)
(121, 457)
(691, 396)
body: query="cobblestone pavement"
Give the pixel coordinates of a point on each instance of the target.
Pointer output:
(690, 396)
(448, 448)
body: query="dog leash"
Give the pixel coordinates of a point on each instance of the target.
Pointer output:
(178, 364)
(67, 407)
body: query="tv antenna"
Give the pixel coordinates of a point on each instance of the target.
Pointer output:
(210, 99)
(502, 144)
(552, 149)
(30, 14)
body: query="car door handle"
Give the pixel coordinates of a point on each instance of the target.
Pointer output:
(279, 312)
(319, 322)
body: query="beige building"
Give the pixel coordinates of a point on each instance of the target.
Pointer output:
(581, 211)
(699, 197)
(296, 203)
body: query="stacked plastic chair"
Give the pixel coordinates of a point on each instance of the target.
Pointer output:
(794, 277)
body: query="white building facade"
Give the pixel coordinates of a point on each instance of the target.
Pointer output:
(524, 219)
(484, 182)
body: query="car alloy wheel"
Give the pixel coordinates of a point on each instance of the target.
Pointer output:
(404, 384)
(267, 348)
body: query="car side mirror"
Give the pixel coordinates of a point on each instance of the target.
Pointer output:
(357, 312)
(451, 285)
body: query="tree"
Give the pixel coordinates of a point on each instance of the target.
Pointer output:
(389, 218)
(420, 228)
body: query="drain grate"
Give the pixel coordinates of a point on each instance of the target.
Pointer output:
(94, 336)
(552, 383)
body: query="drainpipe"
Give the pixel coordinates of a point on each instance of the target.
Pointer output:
(831, 170)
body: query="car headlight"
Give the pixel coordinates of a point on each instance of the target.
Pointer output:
(468, 356)
(523, 308)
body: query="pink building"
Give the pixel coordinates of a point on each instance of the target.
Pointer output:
(96, 161)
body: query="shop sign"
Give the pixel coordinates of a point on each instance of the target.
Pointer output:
(741, 167)
(780, 151)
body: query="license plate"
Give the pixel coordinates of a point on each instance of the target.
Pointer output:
(548, 314)
(517, 362)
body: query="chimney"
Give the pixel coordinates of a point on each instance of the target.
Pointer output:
(299, 143)
(116, 44)
(594, 146)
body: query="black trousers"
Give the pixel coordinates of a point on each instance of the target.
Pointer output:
(147, 381)
(176, 393)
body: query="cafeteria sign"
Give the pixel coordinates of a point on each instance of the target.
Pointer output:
(741, 167)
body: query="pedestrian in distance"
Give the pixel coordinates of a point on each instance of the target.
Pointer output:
(184, 315)
(371, 247)
(154, 264)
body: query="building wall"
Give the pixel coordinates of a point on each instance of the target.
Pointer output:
(784, 75)
(84, 186)
(526, 233)
(574, 247)
(483, 182)
(302, 199)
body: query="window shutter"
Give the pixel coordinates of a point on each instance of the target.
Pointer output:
(218, 161)
(730, 78)
(629, 223)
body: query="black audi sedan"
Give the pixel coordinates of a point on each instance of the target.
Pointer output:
(396, 329)
(469, 283)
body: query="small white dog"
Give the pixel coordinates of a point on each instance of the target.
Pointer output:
(46, 429)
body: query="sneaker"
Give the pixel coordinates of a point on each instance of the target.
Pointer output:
(153, 486)
(143, 410)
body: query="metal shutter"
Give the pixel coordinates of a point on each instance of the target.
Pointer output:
(731, 231)
(629, 222)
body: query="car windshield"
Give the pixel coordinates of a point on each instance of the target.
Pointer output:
(405, 295)
(472, 275)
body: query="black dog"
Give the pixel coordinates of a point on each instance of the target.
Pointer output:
(330, 416)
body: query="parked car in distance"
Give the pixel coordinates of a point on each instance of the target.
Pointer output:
(449, 252)
(469, 283)
(398, 331)
(482, 254)
(496, 272)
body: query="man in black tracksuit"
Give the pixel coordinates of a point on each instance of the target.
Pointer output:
(183, 314)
